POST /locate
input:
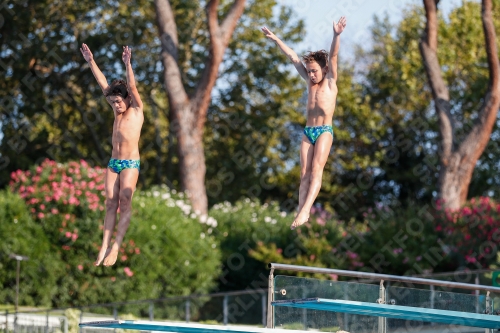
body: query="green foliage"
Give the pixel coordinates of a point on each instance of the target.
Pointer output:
(163, 251)
(253, 234)
(23, 236)
(179, 255)
(400, 240)
(397, 87)
(472, 233)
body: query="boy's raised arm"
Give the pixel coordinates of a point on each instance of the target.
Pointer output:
(288, 52)
(136, 98)
(89, 57)
(334, 49)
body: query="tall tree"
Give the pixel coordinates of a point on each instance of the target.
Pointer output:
(189, 111)
(458, 158)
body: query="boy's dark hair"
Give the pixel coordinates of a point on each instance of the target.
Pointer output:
(321, 57)
(118, 88)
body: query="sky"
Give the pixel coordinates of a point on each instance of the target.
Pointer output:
(318, 16)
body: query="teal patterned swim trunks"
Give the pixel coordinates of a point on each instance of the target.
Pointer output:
(120, 165)
(313, 132)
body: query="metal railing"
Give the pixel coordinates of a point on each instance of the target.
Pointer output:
(32, 323)
(370, 277)
(235, 307)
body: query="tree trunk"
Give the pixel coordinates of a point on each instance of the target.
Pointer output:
(457, 160)
(189, 112)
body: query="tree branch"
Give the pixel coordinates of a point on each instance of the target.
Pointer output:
(170, 44)
(477, 139)
(440, 93)
(219, 39)
(232, 17)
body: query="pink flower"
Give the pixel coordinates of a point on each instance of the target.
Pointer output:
(68, 234)
(73, 201)
(470, 259)
(41, 215)
(334, 277)
(113, 278)
(138, 251)
(54, 211)
(74, 237)
(466, 211)
(42, 206)
(128, 271)
(312, 257)
(67, 216)
(123, 258)
(80, 267)
(66, 247)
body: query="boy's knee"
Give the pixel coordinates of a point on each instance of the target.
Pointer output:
(125, 199)
(317, 171)
(305, 175)
(111, 203)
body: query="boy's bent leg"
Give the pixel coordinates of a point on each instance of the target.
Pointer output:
(306, 157)
(321, 152)
(112, 189)
(128, 182)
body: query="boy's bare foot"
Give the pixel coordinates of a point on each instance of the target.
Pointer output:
(299, 220)
(102, 254)
(111, 257)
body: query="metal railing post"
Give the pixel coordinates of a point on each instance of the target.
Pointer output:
(47, 322)
(476, 281)
(382, 321)
(488, 310)
(65, 324)
(188, 310)
(81, 319)
(270, 298)
(151, 311)
(6, 321)
(346, 315)
(15, 322)
(224, 309)
(264, 303)
(304, 312)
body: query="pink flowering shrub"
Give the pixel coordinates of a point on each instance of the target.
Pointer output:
(472, 232)
(67, 201)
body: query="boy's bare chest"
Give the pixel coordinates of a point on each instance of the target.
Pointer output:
(322, 94)
(130, 120)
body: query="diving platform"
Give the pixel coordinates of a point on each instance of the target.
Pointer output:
(368, 303)
(448, 317)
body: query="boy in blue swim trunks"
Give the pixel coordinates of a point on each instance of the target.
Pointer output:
(123, 168)
(319, 69)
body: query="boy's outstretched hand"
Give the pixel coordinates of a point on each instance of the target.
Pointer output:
(87, 54)
(269, 34)
(127, 55)
(340, 25)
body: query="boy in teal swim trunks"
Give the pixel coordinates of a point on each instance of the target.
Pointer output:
(123, 168)
(319, 69)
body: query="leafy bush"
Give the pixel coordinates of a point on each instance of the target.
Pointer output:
(472, 232)
(253, 234)
(398, 240)
(164, 252)
(22, 235)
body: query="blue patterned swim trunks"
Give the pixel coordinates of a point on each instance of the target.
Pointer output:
(120, 165)
(313, 132)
